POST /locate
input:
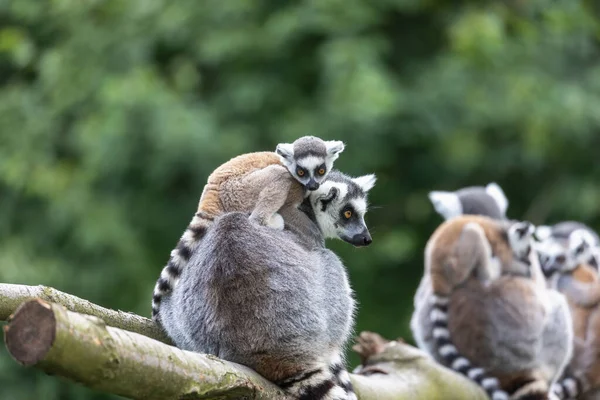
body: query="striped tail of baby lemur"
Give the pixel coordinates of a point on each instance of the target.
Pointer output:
(263, 298)
(255, 182)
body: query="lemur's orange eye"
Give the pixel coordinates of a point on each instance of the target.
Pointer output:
(347, 214)
(321, 171)
(300, 172)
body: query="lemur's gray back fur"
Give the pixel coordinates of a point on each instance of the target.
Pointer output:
(276, 301)
(248, 187)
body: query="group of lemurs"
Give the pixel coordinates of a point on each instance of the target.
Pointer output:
(511, 306)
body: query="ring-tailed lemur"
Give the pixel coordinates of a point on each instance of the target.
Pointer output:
(489, 201)
(568, 270)
(259, 182)
(482, 308)
(278, 302)
(553, 246)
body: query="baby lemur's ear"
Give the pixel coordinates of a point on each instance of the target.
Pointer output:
(334, 148)
(285, 150)
(329, 197)
(366, 182)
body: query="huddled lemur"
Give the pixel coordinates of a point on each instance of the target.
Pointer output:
(260, 183)
(276, 301)
(571, 268)
(482, 308)
(489, 201)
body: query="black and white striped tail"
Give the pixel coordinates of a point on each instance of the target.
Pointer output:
(567, 388)
(179, 258)
(329, 382)
(448, 352)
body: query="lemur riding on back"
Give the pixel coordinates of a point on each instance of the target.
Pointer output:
(278, 302)
(259, 183)
(482, 308)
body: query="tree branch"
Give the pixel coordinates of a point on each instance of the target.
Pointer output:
(84, 349)
(11, 296)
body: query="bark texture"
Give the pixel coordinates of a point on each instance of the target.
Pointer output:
(11, 296)
(109, 357)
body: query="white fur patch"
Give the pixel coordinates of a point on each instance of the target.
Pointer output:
(489, 383)
(447, 350)
(310, 163)
(335, 393)
(360, 205)
(276, 222)
(494, 190)
(334, 148)
(543, 232)
(447, 204)
(441, 333)
(366, 182)
(500, 395)
(495, 268)
(440, 301)
(460, 363)
(438, 315)
(475, 373)
(570, 386)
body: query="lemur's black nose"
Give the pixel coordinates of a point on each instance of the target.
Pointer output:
(312, 185)
(362, 239)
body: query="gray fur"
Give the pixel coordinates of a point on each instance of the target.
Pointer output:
(486, 200)
(276, 301)
(564, 246)
(239, 185)
(310, 155)
(506, 332)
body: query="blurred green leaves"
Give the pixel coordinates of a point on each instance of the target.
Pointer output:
(113, 113)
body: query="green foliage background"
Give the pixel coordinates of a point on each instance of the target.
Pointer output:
(113, 113)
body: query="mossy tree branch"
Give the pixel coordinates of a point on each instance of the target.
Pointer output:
(82, 348)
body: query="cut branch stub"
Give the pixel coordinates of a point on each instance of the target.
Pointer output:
(31, 332)
(84, 349)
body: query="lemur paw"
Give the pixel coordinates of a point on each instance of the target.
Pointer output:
(276, 222)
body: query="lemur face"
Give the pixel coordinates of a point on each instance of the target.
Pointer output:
(309, 159)
(564, 256)
(340, 205)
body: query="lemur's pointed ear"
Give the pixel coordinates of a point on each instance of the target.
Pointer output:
(543, 232)
(447, 204)
(366, 182)
(334, 148)
(494, 190)
(328, 198)
(285, 150)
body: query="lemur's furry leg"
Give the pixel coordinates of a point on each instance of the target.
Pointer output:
(276, 182)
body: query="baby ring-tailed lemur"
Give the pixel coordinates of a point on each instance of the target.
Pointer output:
(256, 182)
(278, 302)
(571, 267)
(489, 201)
(482, 308)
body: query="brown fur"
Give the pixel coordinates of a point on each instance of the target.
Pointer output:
(481, 299)
(450, 264)
(236, 185)
(585, 363)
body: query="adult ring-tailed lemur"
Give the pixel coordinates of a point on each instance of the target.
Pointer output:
(276, 301)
